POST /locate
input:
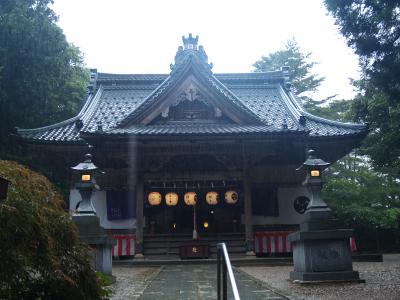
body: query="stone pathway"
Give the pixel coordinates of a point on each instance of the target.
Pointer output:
(200, 282)
(131, 282)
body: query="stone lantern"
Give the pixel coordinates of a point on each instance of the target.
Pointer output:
(317, 209)
(86, 185)
(86, 220)
(321, 251)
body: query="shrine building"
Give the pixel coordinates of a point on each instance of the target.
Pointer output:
(193, 149)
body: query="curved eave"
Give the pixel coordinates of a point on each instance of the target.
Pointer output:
(355, 135)
(125, 136)
(32, 141)
(24, 131)
(298, 112)
(83, 115)
(355, 126)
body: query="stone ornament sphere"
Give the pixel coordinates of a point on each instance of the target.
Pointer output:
(171, 199)
(154, 198)
(231, 197)
(190, 198)
(212, 198)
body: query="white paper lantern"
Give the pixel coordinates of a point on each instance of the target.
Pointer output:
(171, 199)
(154, 198)
(231, 197)
(190, 198)
(212, 198)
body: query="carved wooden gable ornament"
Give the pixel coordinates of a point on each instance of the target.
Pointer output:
(191, 93)
(192, 106)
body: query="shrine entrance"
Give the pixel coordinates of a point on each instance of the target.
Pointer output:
(209, 216)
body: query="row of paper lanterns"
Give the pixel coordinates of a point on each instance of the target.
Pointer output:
(190, 198)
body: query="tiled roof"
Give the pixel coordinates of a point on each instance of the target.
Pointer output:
(277, 107)
(187, 65)
(107, 107)
(196, 129)
(104, 77)
(115, 100)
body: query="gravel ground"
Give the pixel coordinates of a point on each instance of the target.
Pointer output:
(131, 282)
(382, 281)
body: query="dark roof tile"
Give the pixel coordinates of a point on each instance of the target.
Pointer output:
(256, 93)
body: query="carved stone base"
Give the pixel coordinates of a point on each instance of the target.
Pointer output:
(94, 235)
(307, 277)
(323, 255)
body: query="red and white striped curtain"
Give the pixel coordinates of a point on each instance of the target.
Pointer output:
(124, 245)
(272, 242)
(277, 242)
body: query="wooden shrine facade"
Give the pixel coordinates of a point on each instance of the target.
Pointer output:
(194, 131)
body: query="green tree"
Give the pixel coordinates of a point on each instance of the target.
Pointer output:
(300, 67)
(372, 28)
(361, 197)
(41, 254)
(42, 79)
(364, 199)
(358, 193)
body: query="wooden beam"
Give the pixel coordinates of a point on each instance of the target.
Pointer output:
(139, 216)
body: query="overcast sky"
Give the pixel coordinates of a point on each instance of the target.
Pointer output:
(142, 36)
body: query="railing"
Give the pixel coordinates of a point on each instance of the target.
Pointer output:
(224, 262)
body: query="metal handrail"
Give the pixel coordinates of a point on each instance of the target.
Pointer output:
(223, 259)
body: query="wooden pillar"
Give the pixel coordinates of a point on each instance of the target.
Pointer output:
(139, 216)
(248, 217)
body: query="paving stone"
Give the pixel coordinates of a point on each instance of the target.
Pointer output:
(130, 282)
(197, 282)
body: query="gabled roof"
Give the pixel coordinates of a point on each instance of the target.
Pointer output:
(259, 103)
(199, 71)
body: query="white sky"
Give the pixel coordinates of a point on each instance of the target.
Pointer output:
(142, 36)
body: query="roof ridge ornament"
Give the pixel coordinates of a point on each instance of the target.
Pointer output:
(286, 77)
(190, 43)
(190, 49)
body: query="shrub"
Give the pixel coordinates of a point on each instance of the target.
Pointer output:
(41, 256)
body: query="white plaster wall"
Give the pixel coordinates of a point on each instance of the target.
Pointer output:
(100, 205)
(287, 213)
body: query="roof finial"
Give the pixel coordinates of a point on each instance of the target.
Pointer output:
(190, 43)
(190, 50)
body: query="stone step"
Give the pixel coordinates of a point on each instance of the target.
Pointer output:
(157, 244)
(165, 244)
(180, 237)
(175, 250)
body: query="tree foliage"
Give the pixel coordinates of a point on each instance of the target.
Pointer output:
(361, 196)
(300, 67)
(365, 200)
(42, 79)
(338, 110)
(372, 28)
(41, 254)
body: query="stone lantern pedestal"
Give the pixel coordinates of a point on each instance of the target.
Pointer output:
(95, 236)
(322, 255)
(321, 251)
